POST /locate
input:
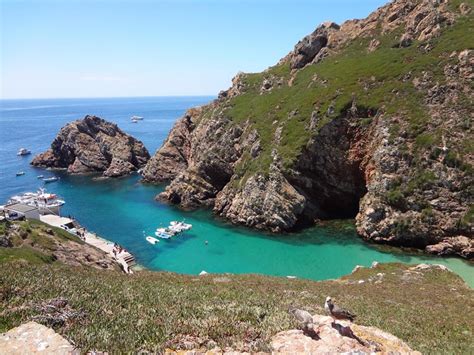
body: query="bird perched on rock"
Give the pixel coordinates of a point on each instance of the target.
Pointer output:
(337, 312)
(303, 317)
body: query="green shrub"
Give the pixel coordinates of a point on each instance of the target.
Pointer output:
(425, 140)
(422, 181)
(396, 199)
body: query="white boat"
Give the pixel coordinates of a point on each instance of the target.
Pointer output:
(163, 235)
(40, 177)
(152, 240)
(20, 173)
(179, 226)
(134, 121)
(23, 151)
(47, 203)
(137, 118)
(166, 231)
(50, 179)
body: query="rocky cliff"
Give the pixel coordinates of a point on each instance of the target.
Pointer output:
(94, 145)
(369, 119)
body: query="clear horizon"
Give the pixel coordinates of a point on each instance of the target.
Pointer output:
(103, 97)
(104, 49)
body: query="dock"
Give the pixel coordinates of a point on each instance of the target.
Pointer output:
(123, 257)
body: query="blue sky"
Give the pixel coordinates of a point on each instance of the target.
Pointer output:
(111, 48)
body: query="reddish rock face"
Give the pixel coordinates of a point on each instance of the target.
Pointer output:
(94, 145)
(172, 157)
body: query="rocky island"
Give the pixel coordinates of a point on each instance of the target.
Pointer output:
(370, 119)
(94, 145)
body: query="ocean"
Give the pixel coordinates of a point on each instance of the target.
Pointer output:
(124, 210)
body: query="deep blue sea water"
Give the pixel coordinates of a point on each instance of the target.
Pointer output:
(124, 210)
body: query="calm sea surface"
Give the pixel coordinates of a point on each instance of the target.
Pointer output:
(124, 210)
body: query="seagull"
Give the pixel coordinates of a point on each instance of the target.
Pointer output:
(336, 312)
(303, 317)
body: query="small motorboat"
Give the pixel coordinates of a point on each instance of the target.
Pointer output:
(23, 151)
(20, 173)
(51, 179)
(152, 240)
(166, 231)
(163, 235)
(40, 177)
(134, 121)
(136, 118)
(179, 226)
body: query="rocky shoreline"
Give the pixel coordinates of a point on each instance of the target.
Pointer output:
(338, 129)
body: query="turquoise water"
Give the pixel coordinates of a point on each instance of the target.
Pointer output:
(124, 210)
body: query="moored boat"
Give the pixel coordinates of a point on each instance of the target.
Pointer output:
(152, 240)
(179, 227)
(50, 179)
(137, 118)
(23, 151)
(166, 231)
(44, 201)
(163, 235)
(20, 173)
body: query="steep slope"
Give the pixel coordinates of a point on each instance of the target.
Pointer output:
(109, 311)
(371, 119)
(94, 145)
(39, 243)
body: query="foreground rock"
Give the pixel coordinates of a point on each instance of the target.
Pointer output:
(334, 131)
(34, 338)
(330, 338)
(94, 145)
(339, 337)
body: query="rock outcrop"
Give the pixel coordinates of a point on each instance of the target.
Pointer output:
(34, 338)
(369, 120)
(329, 338)
(94, 145)
(338, 337)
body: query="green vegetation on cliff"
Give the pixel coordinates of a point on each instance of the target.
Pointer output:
(32, 242)
(380, 80)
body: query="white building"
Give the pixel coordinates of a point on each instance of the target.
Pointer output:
(20, 210)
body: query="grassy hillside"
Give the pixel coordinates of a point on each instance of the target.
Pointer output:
(108, 310)
(375, 79)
